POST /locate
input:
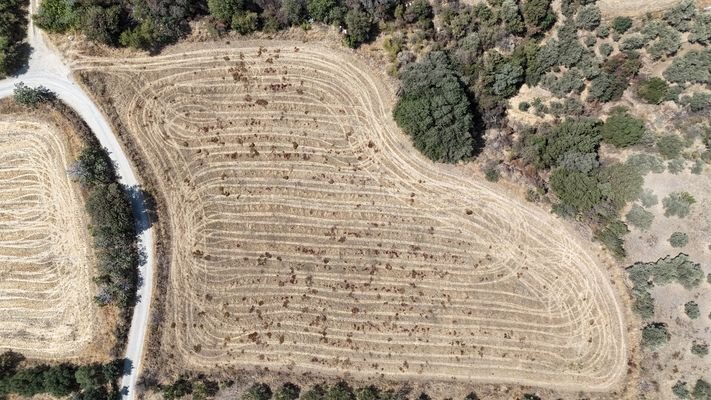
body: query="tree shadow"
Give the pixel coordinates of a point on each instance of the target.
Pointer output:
(144, 208)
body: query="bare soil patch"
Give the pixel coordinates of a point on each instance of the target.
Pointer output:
(309, 236)
(46, 287)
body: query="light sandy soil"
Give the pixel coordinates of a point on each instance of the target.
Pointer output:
(638, 8)
(674, 361)
(309, 236)
(46, 288)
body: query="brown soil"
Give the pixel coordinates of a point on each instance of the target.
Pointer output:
(46, 287)
(308, 236)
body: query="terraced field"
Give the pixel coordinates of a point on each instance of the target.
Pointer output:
(307, 234)
(46, 305)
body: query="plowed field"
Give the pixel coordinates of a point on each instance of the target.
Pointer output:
(308, 235)
(46, 290)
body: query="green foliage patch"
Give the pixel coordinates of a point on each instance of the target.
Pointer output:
(678, 204)
(655, 335)
(622, 130)
(639, 217)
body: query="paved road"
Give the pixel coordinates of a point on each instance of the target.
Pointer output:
(47, 68)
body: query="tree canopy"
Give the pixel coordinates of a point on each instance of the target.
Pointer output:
(434, 110)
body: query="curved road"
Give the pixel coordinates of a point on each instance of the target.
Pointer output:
(47, 68)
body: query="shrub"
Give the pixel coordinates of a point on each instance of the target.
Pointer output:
(225, 10)
(680, 390)
(653, 90)
(654, 335)
(524, 106)
(287, 391)
(321, 10)
(678, 204)
(701, 30)
(680, 15)
(648, 198)
(691, 309)
(646, 163)
(585, 163)
(620, 183)
(676, 166)
(639, 217)
(702, 390)
(699, 349)
(632, 42)
(340, 391)
(602, 31)
(570, 51)
(571, 136)
(570, 81)
(606, 49)
(694, 66)
(611, 237)
(621, 24)
(670, 146)
(245, 22)
(622, 130)
(697, 101)
(588, 17)
(317, 392)
(606, 87)
(698, 167)
(32, 97)
(258, 391)
(434, 109)
(491, 174)
(678, 239)
(576, 189)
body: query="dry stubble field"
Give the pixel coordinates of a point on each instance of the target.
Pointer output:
(46, 304)
(307, 234)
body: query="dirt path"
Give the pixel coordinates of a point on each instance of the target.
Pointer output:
(310, 236)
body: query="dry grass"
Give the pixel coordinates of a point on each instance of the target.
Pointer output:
(46, 289)
(309, 236)
(635, 8)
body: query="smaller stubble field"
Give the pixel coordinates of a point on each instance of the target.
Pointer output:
(309, 236)
(46, 290)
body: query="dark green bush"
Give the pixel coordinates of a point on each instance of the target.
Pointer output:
(653, 90)
(576, 189)
(691, 309)
(13, 30)
(287, 391)
(32, 96)
(434, 109)
(359, 28)
(340, 391)
(538, 14)
(699, 349)
(622, 130)
(621, 24)
(571, 136)
(680, 390)
(702, 390)
(670, 146)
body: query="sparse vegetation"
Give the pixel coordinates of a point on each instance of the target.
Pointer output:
(700, 349)
(670, 146)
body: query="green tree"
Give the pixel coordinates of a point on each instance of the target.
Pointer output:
(57, 16)
(245, 22)
(538, 14)
(359, 26)
(32, 97)
(621, 24)
(571, 136)
(340, 391)
(576, 189)
(59, 380)
(90, 375)
(287, 391)
(320, 10)
(653, 90)
(101, 24)
(258, 391)
(588, 17)
(622, 130)
(434, 110)
(224, 10)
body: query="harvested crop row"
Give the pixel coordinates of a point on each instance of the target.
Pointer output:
(46, 291)
(309, 236)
